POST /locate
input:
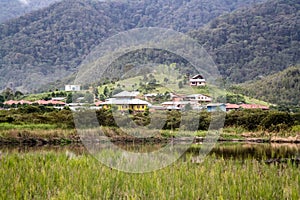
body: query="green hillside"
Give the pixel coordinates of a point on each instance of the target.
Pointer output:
(48, 45)
(162, 81)
(281, 88)
(254, 42)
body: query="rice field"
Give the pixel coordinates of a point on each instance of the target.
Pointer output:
(65, 175)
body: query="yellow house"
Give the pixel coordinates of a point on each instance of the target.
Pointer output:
(126, 104)
(125, 101)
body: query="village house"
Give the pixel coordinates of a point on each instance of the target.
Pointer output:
(212, 107)
(70, 88)
(254, 106)
(58, 98)
(177, 105)
(156, 108)
(126, 101)
(176, 97)
(39, 102)
(230, 107)
(50, 102)
(21, 102)
(197, 80)
(126, 95)
(198, 98)
(150, 97)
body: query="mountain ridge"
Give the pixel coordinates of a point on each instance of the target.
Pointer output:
(254, 42)
(49, 44)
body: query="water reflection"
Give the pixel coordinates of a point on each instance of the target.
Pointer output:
(229, 150)
(251, 150)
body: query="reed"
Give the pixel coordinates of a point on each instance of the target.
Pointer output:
(51, 175)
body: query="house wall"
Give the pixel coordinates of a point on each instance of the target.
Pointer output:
(197, 83)
(126, 107)
(72, 88)
(139, 107)
(177, 98)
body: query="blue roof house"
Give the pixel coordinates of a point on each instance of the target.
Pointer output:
(212, 107)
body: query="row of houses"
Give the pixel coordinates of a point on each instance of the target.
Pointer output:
(134, 101)
(39, 102)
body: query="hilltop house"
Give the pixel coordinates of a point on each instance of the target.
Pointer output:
(126, 100)
(197, 80)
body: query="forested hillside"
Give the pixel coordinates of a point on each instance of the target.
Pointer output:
(49, 44)
(256, 41)
(10, 9)
(281, 88)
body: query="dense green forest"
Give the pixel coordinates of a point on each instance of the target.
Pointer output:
(254, 42)
(49, 44)
(10, 9)
(282, 88)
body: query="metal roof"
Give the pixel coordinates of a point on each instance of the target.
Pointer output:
(117, 101)
(216, 104)
(196, 95)
(126, 94)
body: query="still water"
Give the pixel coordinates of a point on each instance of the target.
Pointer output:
(229, 150)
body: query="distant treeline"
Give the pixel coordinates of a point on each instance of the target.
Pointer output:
(250, 120)
(282, 88)
(254, 42)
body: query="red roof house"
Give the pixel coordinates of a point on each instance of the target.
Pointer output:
(11, 102)
(254, 106)
(230, 106)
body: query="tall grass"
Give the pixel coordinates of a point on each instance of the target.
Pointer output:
(56, 176)
(8, 126)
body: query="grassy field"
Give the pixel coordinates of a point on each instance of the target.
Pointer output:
(50, 175)
(9, 126)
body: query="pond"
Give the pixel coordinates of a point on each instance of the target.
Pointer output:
(225, 150)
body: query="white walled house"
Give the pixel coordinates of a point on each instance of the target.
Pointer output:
(197, 80)
(69, 88)
(199, 98)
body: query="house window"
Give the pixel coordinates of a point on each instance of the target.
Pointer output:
(143, 107)
(138, 107)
